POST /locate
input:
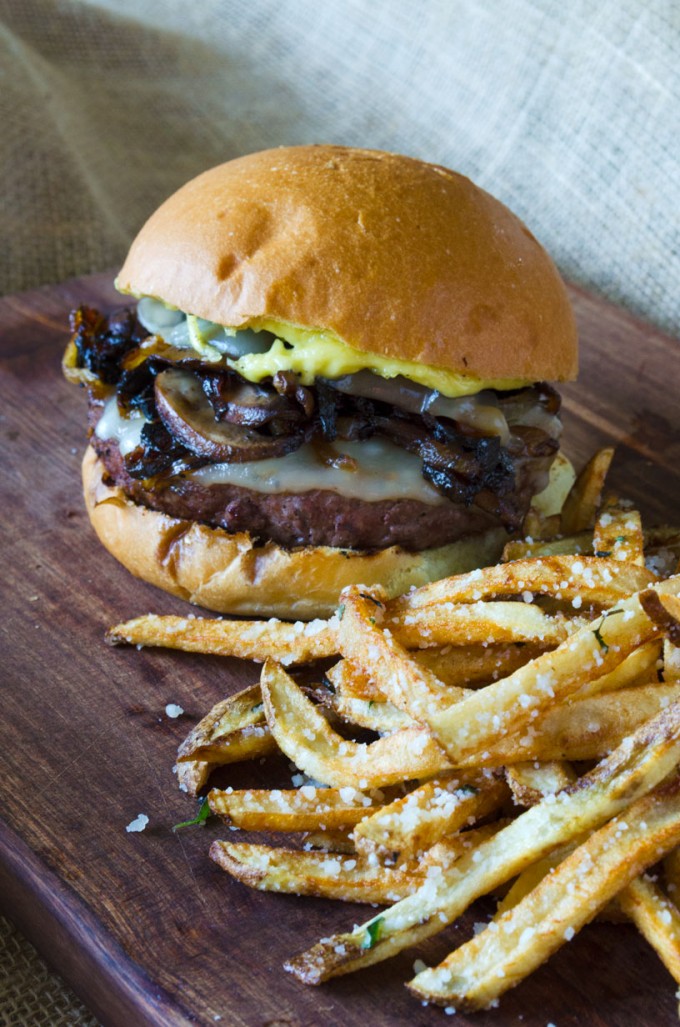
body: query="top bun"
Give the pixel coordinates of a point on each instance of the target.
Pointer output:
(397, 257)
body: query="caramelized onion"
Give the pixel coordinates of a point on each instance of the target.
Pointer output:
(241, 402)
(537, 407)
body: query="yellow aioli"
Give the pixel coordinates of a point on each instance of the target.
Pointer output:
(319, 353)
(314, 353)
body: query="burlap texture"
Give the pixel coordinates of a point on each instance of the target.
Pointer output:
(30, 995)
(568, 112)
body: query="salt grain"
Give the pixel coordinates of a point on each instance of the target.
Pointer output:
(138, 824)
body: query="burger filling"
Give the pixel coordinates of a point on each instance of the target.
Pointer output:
(226, 428)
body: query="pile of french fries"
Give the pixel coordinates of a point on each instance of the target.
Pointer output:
(523, 740)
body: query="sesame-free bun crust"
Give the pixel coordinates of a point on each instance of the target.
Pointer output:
(230, 574)
(397, 257)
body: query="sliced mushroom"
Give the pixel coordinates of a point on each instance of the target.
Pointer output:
(187, 414)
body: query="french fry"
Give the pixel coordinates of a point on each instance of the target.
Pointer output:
(582, 729)
(596, 581)
(240, 710)
(637, 766)
(406, 683)
(307, 739)
(618, 535)
(671, 871)
(304, 809)
(663, 607)
(349, 680)
(663, 540)
(477, 693)
(532, 781)
(640, 666)
(382, 717)
(477, 973)
(587, 727)
(538, 525)
(234, 730)
(330, 840)
(446, 623)
(657, 920)
(671, 661)
(303, 642)
(444, 853)
(580, 506)
(532, 877)
(329, 875)
(580, 542)
(603, 678)
(474, 665)
(193, 775)
(398, 675)
(463, 666)
(289, 644)
(248, 743)
(416, 821)
(470, 727)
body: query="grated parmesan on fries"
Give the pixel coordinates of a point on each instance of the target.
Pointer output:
(481, 693)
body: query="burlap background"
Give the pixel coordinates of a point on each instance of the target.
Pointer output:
(568, 112)
(30, 995)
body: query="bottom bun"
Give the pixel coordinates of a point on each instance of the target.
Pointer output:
(230, 573)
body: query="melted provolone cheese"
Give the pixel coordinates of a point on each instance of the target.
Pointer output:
(381, 471)
(127, 431)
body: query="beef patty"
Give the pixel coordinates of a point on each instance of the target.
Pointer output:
(317, 517)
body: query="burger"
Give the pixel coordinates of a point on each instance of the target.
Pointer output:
(335, 372)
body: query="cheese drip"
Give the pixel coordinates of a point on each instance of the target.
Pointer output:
(126, 431)
(382, 471)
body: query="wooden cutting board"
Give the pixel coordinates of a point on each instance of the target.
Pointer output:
(144, 926)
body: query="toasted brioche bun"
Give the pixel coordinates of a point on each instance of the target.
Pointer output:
(231, 574)
(393, 256)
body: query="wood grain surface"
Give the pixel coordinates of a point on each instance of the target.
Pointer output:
(144, 926)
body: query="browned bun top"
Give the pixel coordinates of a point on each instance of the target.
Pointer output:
(395, 256)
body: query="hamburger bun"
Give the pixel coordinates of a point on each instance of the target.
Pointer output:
(391, 255)
(406, 265)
